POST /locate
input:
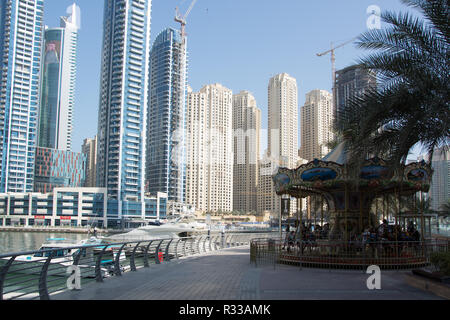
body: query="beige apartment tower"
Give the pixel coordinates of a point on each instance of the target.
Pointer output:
(282, 140)
(246, 146)
(283, 120)
(89, 148)
(316, 125)
(209, 149)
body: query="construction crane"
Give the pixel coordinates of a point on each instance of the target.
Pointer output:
(182, 20)
(333, 65)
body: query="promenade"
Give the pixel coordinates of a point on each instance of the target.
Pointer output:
(228, 275)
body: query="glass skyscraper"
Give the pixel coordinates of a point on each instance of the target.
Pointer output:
(123, 100)
(166, 116)
(21, 29)
(58, 84)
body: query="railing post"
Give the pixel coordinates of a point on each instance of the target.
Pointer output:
(98, 267)
(184, 247)
(176, 249)
(146, 264)
(198, 243)
(167, 257)
(3, 273)
(193, 246)
(117, 271)
(43, 290)
(204, 244)
(210, 243)
(157, 252)
(132, 263)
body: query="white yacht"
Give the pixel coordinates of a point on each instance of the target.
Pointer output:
(64, 256)
(182, 226)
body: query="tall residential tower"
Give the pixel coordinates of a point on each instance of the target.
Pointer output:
(209, 140)
(21, 30)
(246, 143)
(316, 125)
(123, 99)
(165, 170)
(58, 84)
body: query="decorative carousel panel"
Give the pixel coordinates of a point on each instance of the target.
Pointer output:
(282, 180)
(319, 170)
(375, 168)
(418, 172)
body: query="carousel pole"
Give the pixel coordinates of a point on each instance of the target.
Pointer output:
(321, 211)
(315, 212)
(360, 213)
(345, 213)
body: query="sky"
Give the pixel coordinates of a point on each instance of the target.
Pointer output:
(238, 43)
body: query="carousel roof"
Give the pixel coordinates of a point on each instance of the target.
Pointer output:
(338, 154)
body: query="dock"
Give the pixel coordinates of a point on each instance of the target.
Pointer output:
(229, 275)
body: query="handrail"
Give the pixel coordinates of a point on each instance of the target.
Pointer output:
(98, 261)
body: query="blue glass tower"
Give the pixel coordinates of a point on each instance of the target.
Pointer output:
(166, 117)
(21, 29)
(123, 99)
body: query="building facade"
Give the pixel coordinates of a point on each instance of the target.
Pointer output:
(58, 168)
(351, 82)
(283, 119)
(21, 31)
(123, 103)
(210, 156)
(440, 183)
(316, 125)
(196, 144)
(76, 207)
(246, 149)
(89, 149)
(282, 139)
(165, 170)
(58, 84)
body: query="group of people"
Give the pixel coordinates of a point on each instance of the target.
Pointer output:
(308, 234)
(390, 233)
(383, 233)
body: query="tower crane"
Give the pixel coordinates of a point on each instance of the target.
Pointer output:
(182, 19)
(333, 66)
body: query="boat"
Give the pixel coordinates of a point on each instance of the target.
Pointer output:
(64, 255)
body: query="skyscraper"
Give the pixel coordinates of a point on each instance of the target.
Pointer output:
(89, 149)
(246, 133)
(196, 144)
(316, 125)
(440, 182)
(123, 99)
(165, 170)
(58, 84)
(21, 29)
(282, 139)
(350, 82)
(283, 120)
(209, 132)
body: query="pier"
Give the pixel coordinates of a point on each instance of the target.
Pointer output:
(228, 275)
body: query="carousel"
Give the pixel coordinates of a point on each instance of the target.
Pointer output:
(365, 221)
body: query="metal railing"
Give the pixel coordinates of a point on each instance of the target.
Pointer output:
(40, 273)
(346, 255)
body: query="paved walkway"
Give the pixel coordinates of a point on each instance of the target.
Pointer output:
(228, 275)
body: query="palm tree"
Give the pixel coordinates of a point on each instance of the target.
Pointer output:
(411, 104)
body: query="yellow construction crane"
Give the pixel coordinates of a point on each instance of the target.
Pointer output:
(333, 65)
(182, 20)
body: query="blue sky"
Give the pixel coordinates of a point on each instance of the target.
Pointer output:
(238, 43)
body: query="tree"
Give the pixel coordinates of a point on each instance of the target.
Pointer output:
(411, 102)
